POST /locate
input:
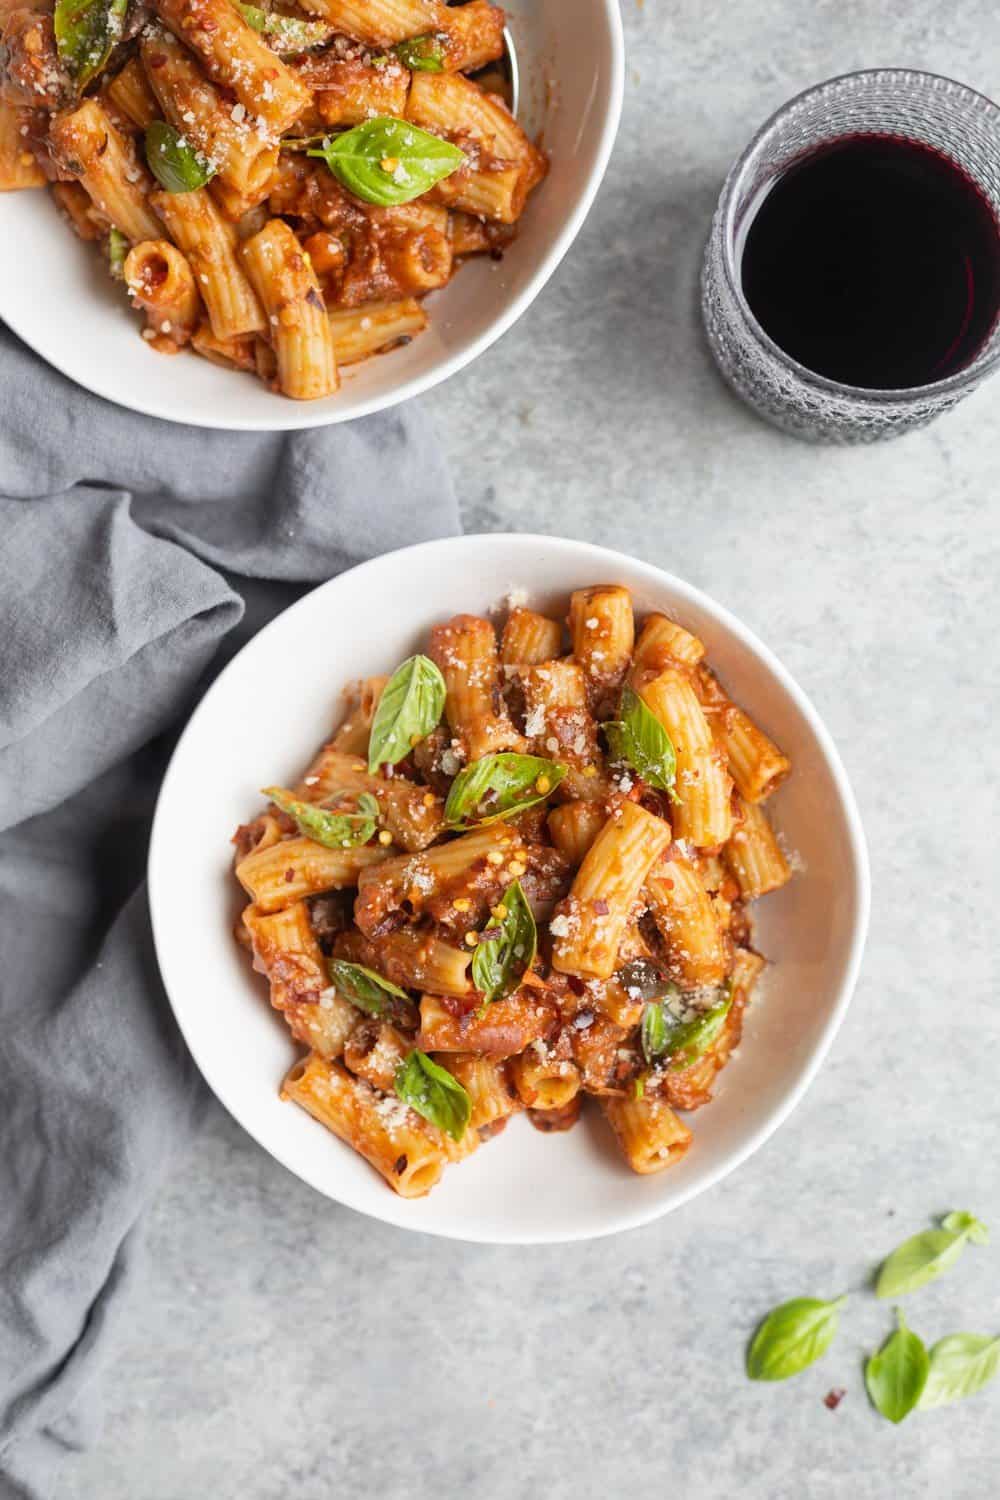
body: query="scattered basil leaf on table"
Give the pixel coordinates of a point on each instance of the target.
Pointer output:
(363, 987)
(896, 1375)
(410, 707)
(173, 161)
(86, 33)
(497, 786)
(924, 1257)
(421, 54)
(334, 830)
(387, 161)
(693, 1038)
(793, 1337)
(289, 33)
(502, 958)
(117, 253)
(960, 1365)
(638, 739)
(961, 1222)
(434, 1093)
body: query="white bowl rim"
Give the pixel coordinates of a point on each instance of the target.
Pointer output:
(602, 559)
(296, 416)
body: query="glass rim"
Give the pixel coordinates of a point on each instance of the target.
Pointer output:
(731, 192)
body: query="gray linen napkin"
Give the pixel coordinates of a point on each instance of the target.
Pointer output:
(135, 556)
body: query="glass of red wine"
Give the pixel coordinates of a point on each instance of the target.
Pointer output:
(851, 284)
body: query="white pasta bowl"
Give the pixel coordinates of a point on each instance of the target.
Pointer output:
(522, 1187)
(55, 292)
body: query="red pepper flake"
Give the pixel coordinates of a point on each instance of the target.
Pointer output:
(601, 908)
(833, 1398)
(576, 984)
(399, 1166)
(289, 874)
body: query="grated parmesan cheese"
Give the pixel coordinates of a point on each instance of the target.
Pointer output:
(392, 1112)
(534, 724)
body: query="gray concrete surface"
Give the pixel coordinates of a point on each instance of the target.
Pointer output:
(281, 1347)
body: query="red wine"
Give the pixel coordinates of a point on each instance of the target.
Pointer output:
(875, 261)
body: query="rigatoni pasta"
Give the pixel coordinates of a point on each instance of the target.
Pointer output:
(162, 283)
(457, 935)
(209, 243)
(352, 161)
(88, 145)
(300, 332)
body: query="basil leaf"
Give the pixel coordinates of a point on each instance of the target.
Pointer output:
(653, 1030)
(175, 164)
(363, 987)
(409, 708)
(289, 33)
(117, 253)
(692, 1039)
(961, 1222)
(421, 54)
(639, 739)
(498, 786)
(792, 1337)
(86, 33)
(499, 963)
(960, 1365)
(924, 1257)
(434, 1093)
(896, 1375)
(387, 161)
(331, 829)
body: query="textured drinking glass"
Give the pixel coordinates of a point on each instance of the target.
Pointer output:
(962, 126)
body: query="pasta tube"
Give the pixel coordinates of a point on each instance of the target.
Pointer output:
(234, 56)
(243, 154)
(649, 1133)
(753, 854)
(590, 923)
(465, 649)
(277, 876)
(702, 812)
(86, 143)
(285, 949)
(162, 283)
(405, 1150)
(299, 328)
(209, 243)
